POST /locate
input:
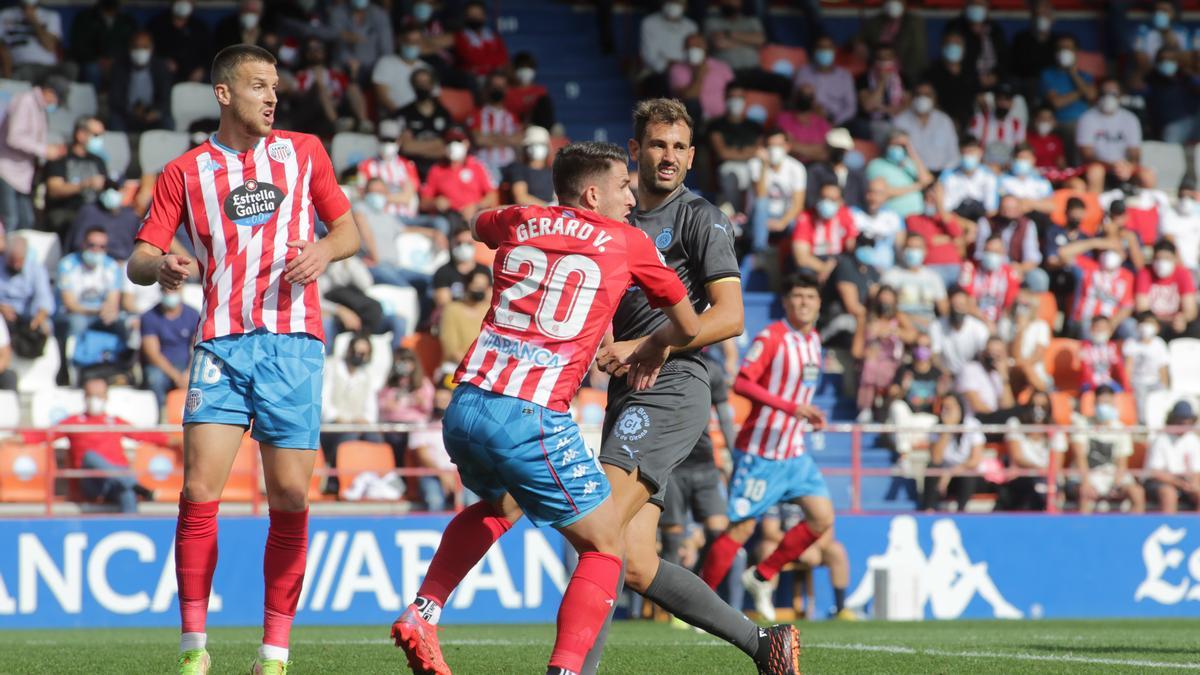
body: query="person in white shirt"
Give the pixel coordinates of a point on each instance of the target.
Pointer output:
(349, 396)
(970, 179)
(1147, 361)
(779, 184)
(882, 225)
(1181, 225)
(1102, 458)
(930, 131)
(1163, 30)
(921, 292)
(965, 336)
(392, 75)
(1029, 333)
(1173, 463)
(663, 34)
(1023, 181)
(1106, 134)
(1030, 451)
(33, 35)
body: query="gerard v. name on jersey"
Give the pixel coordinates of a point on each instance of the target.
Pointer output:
(542, 227)
(253, 203)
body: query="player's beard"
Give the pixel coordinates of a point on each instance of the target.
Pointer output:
(253, 122)
(648, 179)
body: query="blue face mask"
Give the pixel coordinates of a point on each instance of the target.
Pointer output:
(410, 52)
(1168, 68)
(376, 201)
(823, 57)
(93, 258)
(1162, 20)
(1106, 412)
(95, 145)
(422, 11)
(359, 4)
(953, 52)
(913, 257)
(976, 13)
(896, 154)
(992, 261)
(827, 208)
(1022, 167)
(854, 160)
(970, 162)
(865, 255)
(51, 107)
(110, 199)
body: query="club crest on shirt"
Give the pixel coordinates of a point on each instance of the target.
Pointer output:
(663, 239)
(253, 203)
(633, 425)
(279, 151)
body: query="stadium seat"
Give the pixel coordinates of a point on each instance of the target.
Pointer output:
(23, 472)
(381, 354)
(51, 405)
(1126, 406)
(355, 457)
(350, 148)
(399, 301)
(158, 147)
(191, 101)
(174, 405)
(417, 252)
(136, 406)
(589, 405)
(161, 470)
(243, 477)
(460, 103)
(1048, 309)
(1062, 363)
(10, 410)
(45, 248)
(316, 487)
(193, 296)
(10, 88)
(1062, 405)
(868, 149)
(61, 126)
(1168, 162)
(1092, 215)
(428, 350)
(764, 104)
(1092, 63)
(81, 99)
(116, 153)
(37, 374)
(1185, 365)
(772, 56)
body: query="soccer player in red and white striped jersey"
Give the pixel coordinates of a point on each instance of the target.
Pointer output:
(249, 199)
(779, 375)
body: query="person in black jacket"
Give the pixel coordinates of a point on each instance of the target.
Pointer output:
(140, 97)
(844, 168)
(986, 54)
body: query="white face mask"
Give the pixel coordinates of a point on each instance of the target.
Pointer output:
(463, 252)
(1045, 128)
(1044, 23)
(893, 8)
(1187, 206)
(182, 9)
(389, 150)
(775, 154)
(923, 105)
(249, 21)
(456, 151)
(695, 55)
(673, 11)
(1111, 260)
(1108, 104)
(1147, 331)
(1066, 58)
(1164, 268)
(95, 405)
(736, 105)
(139, 57)
(537, 152)
(526, 75)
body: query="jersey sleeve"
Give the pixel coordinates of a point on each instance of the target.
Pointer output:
(660, 283)
(759, 356)
(327, 195)
(709, 239)
(493, 225)
(166, 209)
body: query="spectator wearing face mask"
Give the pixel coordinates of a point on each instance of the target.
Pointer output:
(879, 347)
(1065, 241)
(99, 36)
(805, 126)
(461, 319)
(1018, 233)
(397, 173)
(985, 48)
(349, 396)
(905, 174)
(380, 232)
(530, 177)
(991, 282)
(392, 76)
(845, 167)
(167, 331)
(943, 233)
(1049, 150)
(1034, 46)
(328, 98)
(109, 213)
(853, 282)
(932, 132)
(736, 37)
(1181, 225)
(1148, 360)
(459, 184)
(1030, 451)
(429, 452)
(780, 181)
(971, 180)
(700, 80)
(527, 100)
(1163, 32)
(89, 284)
(954, 83)
(1023, 183)
(663, 35)
(33, 35)
(450, 280)
(245, 26)
(406, 398)
(881, 225)
(1167, 290)
(1101, 458)
(896, 27)
(1068, 90)
(914, 397)
(824, 233)
(1107, 134)
(140, 97)
(882, 96)
(184, 41)
(984, 383)
(1100, 359)
(735, 141)
(964, 335)
(364, 33)
(424, 122)
(921, 292)
(832, 86)
(999, 128)
(958, 454)
(478, 49)
(1104, 287)
(1171, 99)
(1030, 333)
(1173, 463)
(495, 132)
(24, 142)
(76, 178)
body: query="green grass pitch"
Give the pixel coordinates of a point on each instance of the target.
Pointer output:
(974, 647)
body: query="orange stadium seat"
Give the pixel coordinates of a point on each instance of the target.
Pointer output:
(1062, 404)
(355, 457)
(770, 55)
(243, 477)
(1126, 406)
(317, 485)
(427, 349)
(868, 149)
(22, 472)
(160, 469)
(1062, 362)
(174, 405)
(1092, 216)
(460, 103)
(1092, 63)
(1048, 309)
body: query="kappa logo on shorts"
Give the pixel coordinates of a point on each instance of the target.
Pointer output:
(633, 425)
(195, 398)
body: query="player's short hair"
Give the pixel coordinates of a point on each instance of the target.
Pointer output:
(659, 111)
(804, 279)
(1165, 246)
(578, 163)
(226, 62)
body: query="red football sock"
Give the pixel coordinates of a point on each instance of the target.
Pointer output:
(195, 560)
(466, 539)
(283, 572)
(719, 560)
(585, 607)
(795, 542)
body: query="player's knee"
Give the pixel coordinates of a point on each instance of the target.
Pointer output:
(288, 499)
(741, 532)
(820, 523)
(195, 490)
(640, 571)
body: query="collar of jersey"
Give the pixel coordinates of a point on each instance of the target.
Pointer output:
(679, 192)
(230, 151)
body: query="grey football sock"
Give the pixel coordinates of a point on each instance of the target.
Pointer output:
(592, 663)
(686, 596)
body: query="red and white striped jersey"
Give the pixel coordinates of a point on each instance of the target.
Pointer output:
(494, 120)
(1101, 292)
(788, 364)
(989, 129)
(559, 274)
(994, 291)
(240, 211)
(395, 173)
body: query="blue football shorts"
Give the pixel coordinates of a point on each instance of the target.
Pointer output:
(266, 378)
(503, 444)
(758, 484)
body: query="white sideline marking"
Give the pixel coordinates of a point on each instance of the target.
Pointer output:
(1015, 656)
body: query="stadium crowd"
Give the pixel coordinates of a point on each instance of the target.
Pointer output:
(994, 241)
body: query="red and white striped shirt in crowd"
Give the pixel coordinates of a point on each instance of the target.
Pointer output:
(994, 292)
(560, 273)
(335, 81)
(787, 365)
(1102, 364)
(989, 129)
(826, 237)
(492, 119)
(396, 173)
(1101, 292)
(240, 211)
